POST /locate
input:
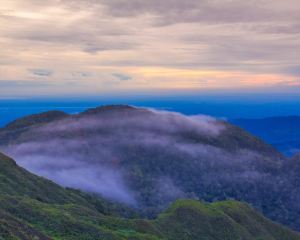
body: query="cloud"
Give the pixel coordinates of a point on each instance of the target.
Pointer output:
(73, 173)
(103, 45)
(22, 83)
(97, 163)
(257, 37)
(294, 70)
(214, 12)
(81, 74)
(122, 77)
(41, 72)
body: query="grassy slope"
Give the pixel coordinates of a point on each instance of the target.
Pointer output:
(34, 208)
(225, 220)
(16, 181)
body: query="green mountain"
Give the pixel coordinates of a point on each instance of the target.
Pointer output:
(32, 207)
(148, 159)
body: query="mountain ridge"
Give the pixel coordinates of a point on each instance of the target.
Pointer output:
(148, 159)
(38, 118)
(53, 116)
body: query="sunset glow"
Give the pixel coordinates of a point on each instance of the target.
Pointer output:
(61, 47)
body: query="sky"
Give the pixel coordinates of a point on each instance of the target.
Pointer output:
(105, 47)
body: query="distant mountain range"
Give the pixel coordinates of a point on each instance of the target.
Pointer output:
(32, 207)
(282, 132)
(147, 159)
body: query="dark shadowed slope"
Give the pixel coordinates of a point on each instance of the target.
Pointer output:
(282, 132)
(36, 119)
(62, 214)
(148, 159)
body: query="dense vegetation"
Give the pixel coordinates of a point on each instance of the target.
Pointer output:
(32, 207)
(149, 159)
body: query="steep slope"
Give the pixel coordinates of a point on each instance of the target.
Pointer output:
(32, 207)
(23, 217)
(12, 229)
(148, 159)
(19, 183)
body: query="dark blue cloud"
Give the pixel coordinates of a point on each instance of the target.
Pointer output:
(41, 72)
(122, 77)
(81, 74)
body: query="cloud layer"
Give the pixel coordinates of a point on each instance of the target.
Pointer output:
(161, 45)
(90, 152)
(131, 154)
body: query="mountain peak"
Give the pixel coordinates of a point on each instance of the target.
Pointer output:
(109, 108)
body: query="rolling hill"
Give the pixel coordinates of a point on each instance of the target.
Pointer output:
(32, 207)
